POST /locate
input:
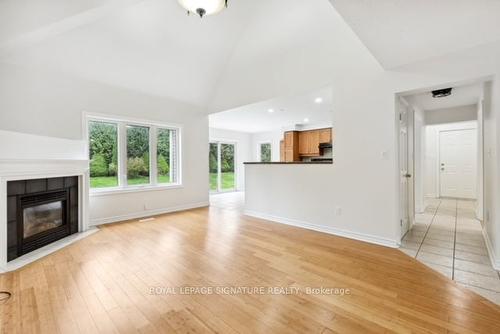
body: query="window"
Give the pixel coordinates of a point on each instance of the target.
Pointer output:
(265, 152)
(103, 146)
(137, 155)
(222, 168)
(131, 155)
(166, 171)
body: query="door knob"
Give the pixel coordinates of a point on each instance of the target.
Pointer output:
(407, 175)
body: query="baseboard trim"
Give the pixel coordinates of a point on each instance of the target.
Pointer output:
(494, 261)
(325, 229)
(148, 213)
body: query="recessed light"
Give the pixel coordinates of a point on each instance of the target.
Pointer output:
(306, 120)
(318, 100)
(270, 111)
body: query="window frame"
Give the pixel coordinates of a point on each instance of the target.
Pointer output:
(153, 126)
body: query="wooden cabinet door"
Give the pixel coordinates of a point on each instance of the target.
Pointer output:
(288, 140)
(325, 136)
(313, 142)
(282, 150)
(303, 143)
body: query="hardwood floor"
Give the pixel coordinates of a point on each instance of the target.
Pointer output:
(102, 284)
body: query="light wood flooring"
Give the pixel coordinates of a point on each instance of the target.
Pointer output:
(102, 284)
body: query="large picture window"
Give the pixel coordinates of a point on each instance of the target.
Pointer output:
(132, 154)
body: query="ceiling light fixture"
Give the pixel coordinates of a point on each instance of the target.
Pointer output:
(203, 7)
(306, 120)
(318, 100)
(270, 111)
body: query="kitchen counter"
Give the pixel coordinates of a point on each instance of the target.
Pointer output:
(291, 163)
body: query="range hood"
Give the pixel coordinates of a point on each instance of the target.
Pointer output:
(325, 145)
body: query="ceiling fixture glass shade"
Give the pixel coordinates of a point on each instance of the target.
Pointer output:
(203, 7)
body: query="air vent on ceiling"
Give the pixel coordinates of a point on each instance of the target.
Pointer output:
(441, 92)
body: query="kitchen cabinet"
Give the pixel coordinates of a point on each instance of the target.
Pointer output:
(309, 143)
(297, 144)
(282, 150)
(325, 136)
(291, 144)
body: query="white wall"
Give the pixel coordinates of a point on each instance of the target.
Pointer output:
(273, 137)
(451, 115)
(15, 145)
(419, 159)
(491, 121)
(480, 157)
(243, 150)
(431, 170)
(365, 121)
(49, 104)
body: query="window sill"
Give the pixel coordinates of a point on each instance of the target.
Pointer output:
(132, 189)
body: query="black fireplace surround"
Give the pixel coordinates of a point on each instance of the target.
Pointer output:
(39, 212)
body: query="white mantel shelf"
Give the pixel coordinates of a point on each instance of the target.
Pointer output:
(26, 169)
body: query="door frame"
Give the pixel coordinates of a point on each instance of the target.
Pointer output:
(220, 142)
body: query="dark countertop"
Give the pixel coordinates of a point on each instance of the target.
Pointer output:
(291, 163)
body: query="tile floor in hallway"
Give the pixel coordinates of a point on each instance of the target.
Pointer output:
(447, 237)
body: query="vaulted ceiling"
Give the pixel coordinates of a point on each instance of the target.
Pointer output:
(253, 51)
(400, 32)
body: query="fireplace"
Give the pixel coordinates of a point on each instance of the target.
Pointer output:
(40, 212)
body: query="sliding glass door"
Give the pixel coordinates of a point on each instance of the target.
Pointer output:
(222, 166)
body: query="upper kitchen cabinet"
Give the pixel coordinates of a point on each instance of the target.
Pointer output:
(325, 136)
(291, 146)
(309, 143)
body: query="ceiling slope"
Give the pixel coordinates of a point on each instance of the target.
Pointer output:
(253, 51)
(400, 32)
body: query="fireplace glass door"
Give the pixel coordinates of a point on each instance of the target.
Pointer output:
(41, 218)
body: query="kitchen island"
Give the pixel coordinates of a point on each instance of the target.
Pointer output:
(294, 193)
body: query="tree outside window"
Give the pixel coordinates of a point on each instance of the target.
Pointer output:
(265, 152)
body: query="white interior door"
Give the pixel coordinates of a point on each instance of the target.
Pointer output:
(403, 169)
(458, 163)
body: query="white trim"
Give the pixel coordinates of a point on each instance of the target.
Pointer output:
(494, 261)
(97, 192)
(129, 120)
(46, 250)
(325, 229)
(148, 213)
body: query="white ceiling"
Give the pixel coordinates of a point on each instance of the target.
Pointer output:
(152, 46)
(399, 32)
(253, 51)
(289, 111)
(460, 96)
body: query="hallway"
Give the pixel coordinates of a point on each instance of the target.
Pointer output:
(447, 237)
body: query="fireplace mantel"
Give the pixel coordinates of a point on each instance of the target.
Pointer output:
(27, 169)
